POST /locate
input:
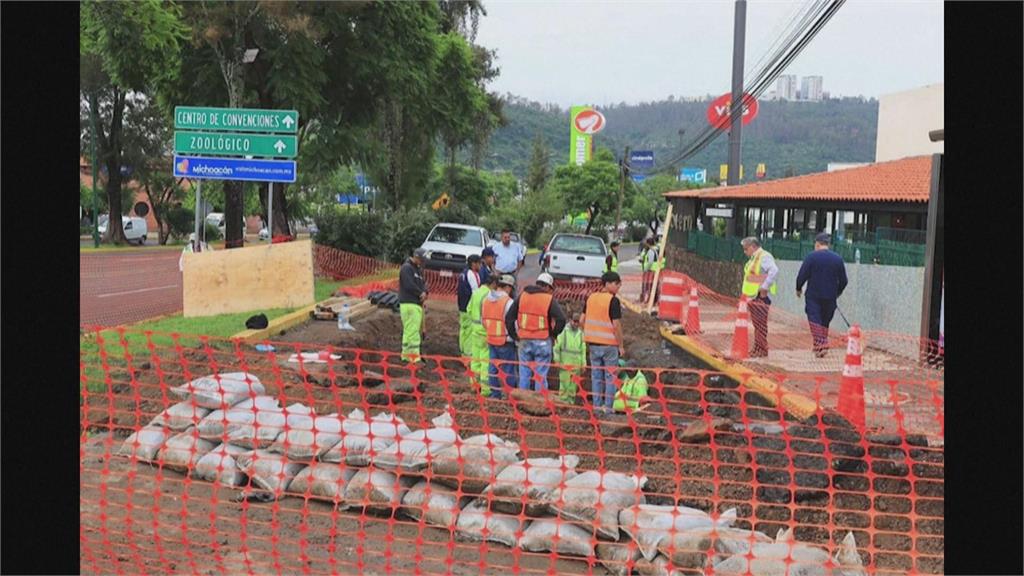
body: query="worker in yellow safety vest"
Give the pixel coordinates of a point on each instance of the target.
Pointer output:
(479, 352)
(571, 353)
(502, 349)
(611, 262)
(602, 331)
(759, 275)
(649, 263)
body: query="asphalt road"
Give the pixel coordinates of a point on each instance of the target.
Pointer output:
(126, 286)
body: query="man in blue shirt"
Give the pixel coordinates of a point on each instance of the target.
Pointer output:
(825, 275)
(509, 256)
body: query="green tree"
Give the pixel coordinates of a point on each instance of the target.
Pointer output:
(647, 203)
(592, 187)
(540, 169)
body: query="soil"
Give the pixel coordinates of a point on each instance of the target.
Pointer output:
(826, 480)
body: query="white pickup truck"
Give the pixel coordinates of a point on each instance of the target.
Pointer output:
(575, 257)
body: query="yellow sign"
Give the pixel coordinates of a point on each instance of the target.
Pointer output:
(723, 172)
(442, 201)
(761, 170)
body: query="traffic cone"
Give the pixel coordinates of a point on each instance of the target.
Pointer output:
(693, 313)
(851, 387)
(741, 335)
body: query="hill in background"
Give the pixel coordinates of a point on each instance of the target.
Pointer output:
(788, 137)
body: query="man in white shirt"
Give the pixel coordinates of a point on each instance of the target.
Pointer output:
(509, 256)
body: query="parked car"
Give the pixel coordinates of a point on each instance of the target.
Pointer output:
(575, 256)
(297, 227)
(135, 229)
(217, 219)
(448, 245)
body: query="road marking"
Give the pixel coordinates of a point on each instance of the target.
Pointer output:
(109, 294)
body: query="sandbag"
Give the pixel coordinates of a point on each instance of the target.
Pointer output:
(438, 505)
(180, 416)
(783, 557)
(847, 558)
(657, 567)
(267, 426)
(269, 471)
(150, 440)
(566, 538)
(377, 490)
(212, 427)
(308, 438)
(414, 451)
(578, 499)
(472, 463)
(689, 549)
(182, 451)
(618, 558)
(222, 457)
(208, 392)
(323, 481)
(362, 439)
(648, 524)
(500, 527)
(514, 482)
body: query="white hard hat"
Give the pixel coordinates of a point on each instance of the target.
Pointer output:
(546, 278)
(192, 237)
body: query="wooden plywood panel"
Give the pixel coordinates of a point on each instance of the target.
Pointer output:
(248, 279)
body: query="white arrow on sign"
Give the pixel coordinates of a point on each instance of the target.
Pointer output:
(279, 146)
(288, 121)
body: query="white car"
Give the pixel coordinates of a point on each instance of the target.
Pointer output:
(575, 256)
(135, 229)
(449, 245)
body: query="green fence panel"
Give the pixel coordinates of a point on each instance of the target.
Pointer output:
(886, 252)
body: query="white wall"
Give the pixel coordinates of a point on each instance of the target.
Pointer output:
(904, 120)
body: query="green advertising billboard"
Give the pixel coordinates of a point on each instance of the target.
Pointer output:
(584, 122)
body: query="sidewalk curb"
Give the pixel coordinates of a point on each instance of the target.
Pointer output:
(277, 325)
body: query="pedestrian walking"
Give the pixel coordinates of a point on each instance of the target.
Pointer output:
(611, 262)
(824, 272)
(648, 265)
(571, 354)
(412, 294)
(602, 331)
(479, 351)
(509, 256)
(759, 275)
(469, 281)
(533, 320)
(501, 346)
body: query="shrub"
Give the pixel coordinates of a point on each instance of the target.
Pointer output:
(405, 230)
(212, 233)
(357, 232)
(457, 213)
(637, 233)
(181, 220)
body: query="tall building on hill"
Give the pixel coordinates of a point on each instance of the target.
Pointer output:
(785, 87)
(810, 89)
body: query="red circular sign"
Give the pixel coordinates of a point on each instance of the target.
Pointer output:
(589, 121)
(718, 110)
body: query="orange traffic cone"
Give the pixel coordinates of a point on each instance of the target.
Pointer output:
(741, 335)
(851, 387)
(692, 322)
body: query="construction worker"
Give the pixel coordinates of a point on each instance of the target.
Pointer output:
(602, 331)
(571, 353)
(502, 349)
(533, 320)
(469, 281)
(412, 293)
(611, 262)
(486, 264)
(634, 388)
(648, 265)
(479, 352)
(758, 282)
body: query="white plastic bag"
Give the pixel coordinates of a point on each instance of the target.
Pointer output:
(150, 440)
(648, 524)
(690, 549)
(323, 481)
(414, 451)
(308, 438)
(180, 416)
(377, 490)
(362, 439)
(474, 463)
(565, 538)
(578, 499)
(533, 478)
(218, 391)
(618, 558)
(438, 505)
(183, 451)
(223, 457)
(272, 472)
(213, 426)
(267, 426)
(476, 523)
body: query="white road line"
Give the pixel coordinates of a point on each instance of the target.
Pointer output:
(109, 294)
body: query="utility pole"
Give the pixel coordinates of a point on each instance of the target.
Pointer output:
(736, 105)
(623, 168)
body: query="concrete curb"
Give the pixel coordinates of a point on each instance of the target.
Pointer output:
(276, 325)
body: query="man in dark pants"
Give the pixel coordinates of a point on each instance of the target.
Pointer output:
(759, 275)
(825, 275)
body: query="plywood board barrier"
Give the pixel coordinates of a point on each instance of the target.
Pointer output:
(248, 279)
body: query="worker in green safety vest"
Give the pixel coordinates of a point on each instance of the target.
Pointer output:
(649, 263)
(571, 352)
(758, 282)
(633, 390)
(611, 262)
(479, 350)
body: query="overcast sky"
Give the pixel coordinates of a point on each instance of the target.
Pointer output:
(577, 52)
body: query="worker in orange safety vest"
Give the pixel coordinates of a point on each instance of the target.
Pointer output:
(534, 320)
(602, 331)
(502, 347)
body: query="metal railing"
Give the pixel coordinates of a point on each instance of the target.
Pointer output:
(883, 252)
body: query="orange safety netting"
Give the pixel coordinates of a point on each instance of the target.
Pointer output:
(341, 265)
(181, 435)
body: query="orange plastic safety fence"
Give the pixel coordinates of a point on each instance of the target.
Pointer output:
(342, 265)
(204, 455)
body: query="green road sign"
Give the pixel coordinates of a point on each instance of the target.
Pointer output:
(229, 144)
(236, 119)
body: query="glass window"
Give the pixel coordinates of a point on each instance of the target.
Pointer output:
(578, 244)
(459, 236)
